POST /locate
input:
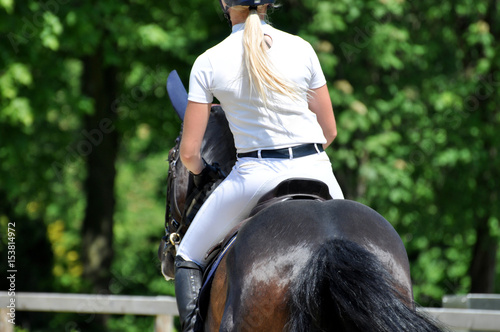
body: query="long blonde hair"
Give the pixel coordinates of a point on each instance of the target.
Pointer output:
(262, 73)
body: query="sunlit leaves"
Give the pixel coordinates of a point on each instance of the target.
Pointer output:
(15, 76)
(51, 31)
(8, 5)
(154, 35)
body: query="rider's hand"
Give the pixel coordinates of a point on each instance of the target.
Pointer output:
(210, 173)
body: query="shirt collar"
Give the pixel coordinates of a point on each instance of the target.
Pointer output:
(241, 26)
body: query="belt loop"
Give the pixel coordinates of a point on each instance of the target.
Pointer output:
(316, 147)
(290, 153)
(259, 153)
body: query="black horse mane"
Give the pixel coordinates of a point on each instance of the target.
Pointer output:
(364, 297)
(218, 142)
(217, 147)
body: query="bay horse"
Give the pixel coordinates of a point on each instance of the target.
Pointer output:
(296, 265)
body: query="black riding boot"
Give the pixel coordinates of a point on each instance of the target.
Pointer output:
(188, 278)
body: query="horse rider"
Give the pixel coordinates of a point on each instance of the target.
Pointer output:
(273, 91)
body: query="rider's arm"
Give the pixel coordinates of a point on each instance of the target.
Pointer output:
(195, 123)
(321, 104)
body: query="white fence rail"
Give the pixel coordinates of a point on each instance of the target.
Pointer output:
(164, 308)
(466, 319)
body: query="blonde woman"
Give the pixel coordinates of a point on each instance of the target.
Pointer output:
(274, 94)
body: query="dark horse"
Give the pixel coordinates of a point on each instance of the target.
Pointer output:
(299, 264)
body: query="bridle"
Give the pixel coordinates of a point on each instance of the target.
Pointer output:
(171, 224)
(177, 217)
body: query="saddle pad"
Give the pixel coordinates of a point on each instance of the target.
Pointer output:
(204, 297)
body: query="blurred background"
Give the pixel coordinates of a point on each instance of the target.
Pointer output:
(86, 125)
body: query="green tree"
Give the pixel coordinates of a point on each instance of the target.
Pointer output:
(80, 79)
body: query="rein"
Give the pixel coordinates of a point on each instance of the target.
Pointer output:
(172, 225)
(176, 228)
(183, 199)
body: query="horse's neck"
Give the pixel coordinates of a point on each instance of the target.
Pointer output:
(218, 142)
(217, 146)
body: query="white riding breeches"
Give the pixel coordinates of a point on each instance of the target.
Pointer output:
(233, 200)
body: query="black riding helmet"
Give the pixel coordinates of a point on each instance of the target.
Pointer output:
(232, 3)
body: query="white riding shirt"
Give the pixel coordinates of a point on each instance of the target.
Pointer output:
(283, 122)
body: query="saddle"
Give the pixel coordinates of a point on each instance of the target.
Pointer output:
(295, 188)
(291, 189)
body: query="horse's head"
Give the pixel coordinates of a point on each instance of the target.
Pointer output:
(217, 146)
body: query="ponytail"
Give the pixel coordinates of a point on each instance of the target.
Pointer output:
(262, 73)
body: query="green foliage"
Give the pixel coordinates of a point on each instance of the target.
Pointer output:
(414, 86)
